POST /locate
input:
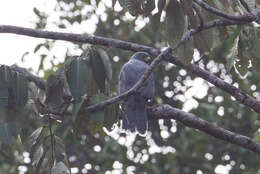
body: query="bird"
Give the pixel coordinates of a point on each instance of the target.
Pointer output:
(135, 116)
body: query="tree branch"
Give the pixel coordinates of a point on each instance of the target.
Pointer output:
(190, 120)
(245, 5)
(245, 18)
(235, 92)
(40, 83)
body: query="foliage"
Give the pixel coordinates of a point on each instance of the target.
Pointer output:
(58, 142)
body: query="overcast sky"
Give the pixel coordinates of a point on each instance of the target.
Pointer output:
(19, 13)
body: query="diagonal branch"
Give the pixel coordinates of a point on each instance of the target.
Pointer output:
(245, 5)
(235, 92)
(245, 18)
(190, 120)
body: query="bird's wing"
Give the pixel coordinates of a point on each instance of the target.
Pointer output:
(129, 75)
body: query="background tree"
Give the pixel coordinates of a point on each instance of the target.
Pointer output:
(210, 72)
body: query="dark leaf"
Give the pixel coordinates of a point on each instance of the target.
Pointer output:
(76, 76)
(148, 6)
(98, 115)
(54, 91)
(75, 109)
(20, 90)
(221, 51)
(98, 69)
(8, 132)
(174, 22)
(60, 168)
(60, 153)
(111, 116)
(107, 63)
(132, 7)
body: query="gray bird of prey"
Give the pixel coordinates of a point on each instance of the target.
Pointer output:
(135, 118)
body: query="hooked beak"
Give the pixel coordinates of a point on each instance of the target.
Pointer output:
(148, 59)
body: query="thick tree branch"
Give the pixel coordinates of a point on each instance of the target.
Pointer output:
(190, 120)
(40, 83)
(235, 92)
(245, 18)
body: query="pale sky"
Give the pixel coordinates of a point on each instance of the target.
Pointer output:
(19, 13)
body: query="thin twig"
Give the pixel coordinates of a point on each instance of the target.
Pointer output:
(245, 5)
(199, 15)
(245, 18)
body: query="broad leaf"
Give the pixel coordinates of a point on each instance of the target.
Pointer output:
(60, 168)
(97, 116)
(8, 132)
(76, 75)
(111, 115)
(60, 153)
(132, 6)
(174, 23)
(54, 91)
(4, 78)
(20, 89)
(98, 69)
(75, 109)
(107, 63)
(92, 87)
(148, 7)
(222, 50)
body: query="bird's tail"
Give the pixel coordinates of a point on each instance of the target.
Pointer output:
(135, 118)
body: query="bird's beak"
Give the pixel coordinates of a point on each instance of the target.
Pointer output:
(148, 59)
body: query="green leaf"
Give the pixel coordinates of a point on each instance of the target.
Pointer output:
(37, 12)
(111, 115)
(76, 75)
(220, 52)
(8, 132)
(38, 155)
(35, 137)
(242, 63)
(97, 116)
(232, 56)
(107, 63)
(75, 109)
(122, 2)
(174, 22)
(132, 7)
(4, 85)
(92, 87)
(54, 91)
(38, 47)
(20, 89)
(98, 69)
(185, 52)
(59, 149)
(60, 168)
(148, 7)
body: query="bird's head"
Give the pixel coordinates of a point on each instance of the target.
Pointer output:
(142, 56)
